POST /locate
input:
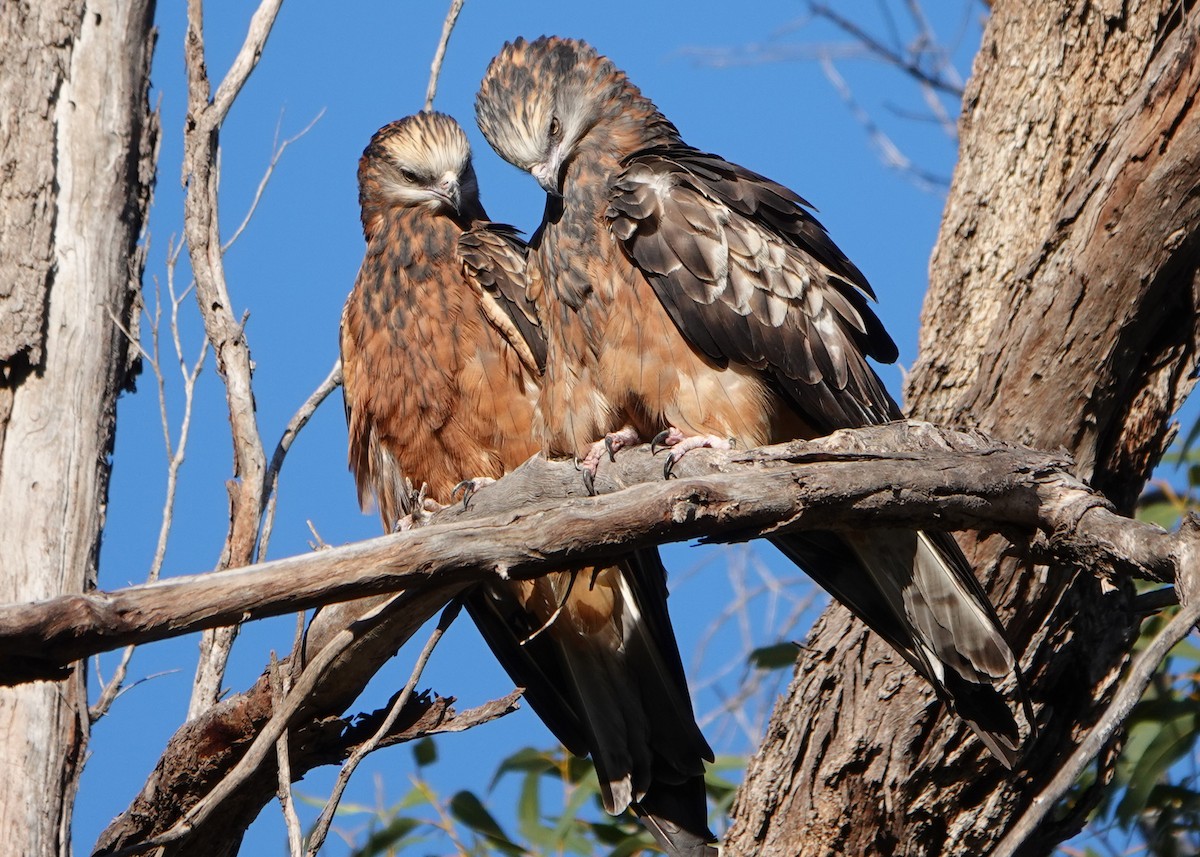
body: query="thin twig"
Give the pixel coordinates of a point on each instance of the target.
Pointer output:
(321, 828)
(439, 55)
(298, 421)
(891, 154)
(909, 65)
(114, 688)
(276, 156)
(1139, 677)
(264, 742)
(280, 684)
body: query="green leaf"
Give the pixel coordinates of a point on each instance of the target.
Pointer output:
(470, 811)
(424, 752)
(525, 759)
(416, 796)
(774, 657)
(567, 832)
(1162, 512)
(1172, 740)
(529, 813)
(393, 836)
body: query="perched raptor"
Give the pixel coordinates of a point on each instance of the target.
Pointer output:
(442, 355)
(691, 301)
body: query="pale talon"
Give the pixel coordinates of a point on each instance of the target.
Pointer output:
(680, 444)
(608, 445)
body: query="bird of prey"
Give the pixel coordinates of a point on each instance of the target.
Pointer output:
(442, 355)
(692, 302)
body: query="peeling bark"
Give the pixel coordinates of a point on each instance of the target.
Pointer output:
(77, 142)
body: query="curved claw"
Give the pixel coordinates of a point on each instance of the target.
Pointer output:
(589, 481)
(467, 486)
(669, 466)
(659, 439)
(608, 446)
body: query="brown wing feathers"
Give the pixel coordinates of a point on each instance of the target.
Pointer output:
(442, 352)
(748, 275)
(773, 325)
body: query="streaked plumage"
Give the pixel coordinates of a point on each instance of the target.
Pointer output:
(683, 291)
(442, 354)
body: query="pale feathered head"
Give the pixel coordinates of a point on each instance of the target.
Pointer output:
(540, 99)
(423, 159)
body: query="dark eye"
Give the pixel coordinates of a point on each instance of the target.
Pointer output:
(409, 176)
(555, 127)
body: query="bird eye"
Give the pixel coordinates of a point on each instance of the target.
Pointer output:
(409, 176)
(555, 127)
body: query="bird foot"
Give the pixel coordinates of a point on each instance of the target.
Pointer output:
(608, 445)
(680, 444)
(419, 518)
(470, 487)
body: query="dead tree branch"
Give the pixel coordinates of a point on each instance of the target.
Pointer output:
(904, 474)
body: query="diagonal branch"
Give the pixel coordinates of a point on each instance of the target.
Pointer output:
(435, 70)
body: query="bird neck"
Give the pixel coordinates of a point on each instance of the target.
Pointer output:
(634, 124)
(411, 237)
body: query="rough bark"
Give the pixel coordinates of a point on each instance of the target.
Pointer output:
(1062, 313)
(846, 481)
(76, 159)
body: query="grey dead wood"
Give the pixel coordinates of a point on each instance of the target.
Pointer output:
(1062, 313)
(850, 479)
(904, 474)
(77, 154)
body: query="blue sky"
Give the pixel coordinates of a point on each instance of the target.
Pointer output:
(360, 66)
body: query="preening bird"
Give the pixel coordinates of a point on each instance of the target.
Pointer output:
(692, 302)
(442, 354)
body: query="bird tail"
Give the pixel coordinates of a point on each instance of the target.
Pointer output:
(669, 812)
(917, 591)
(614, 689)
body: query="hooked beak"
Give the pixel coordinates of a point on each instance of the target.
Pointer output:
(449, 190)
(548, 173)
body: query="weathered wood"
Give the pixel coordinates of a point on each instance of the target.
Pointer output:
(848, 479)
(77, 142)
(517, 528)
(1061, 313)
(248, 491)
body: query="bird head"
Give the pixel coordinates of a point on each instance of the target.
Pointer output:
(420, 160)
(540, 100)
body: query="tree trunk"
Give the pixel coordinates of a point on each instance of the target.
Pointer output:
(76, 153)
(1062, 312)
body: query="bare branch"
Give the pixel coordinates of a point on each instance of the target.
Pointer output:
(298, 421)
(846, 481)
(264, 741)
(888, 151)
(909, 64)
(280, 684)
(439, 55)
(245, 61)
(176, 453)
(1140, 675)
(276, 157)
(201, 172)
(321, 828)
